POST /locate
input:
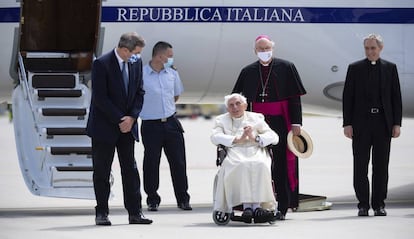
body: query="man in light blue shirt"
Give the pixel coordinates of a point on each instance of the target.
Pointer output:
(160, 129)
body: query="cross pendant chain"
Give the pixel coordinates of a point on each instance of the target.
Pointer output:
(263, 95)
(264, 82)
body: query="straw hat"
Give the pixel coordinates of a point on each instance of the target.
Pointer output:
(300, 145)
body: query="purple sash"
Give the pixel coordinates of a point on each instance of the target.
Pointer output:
(280, 108)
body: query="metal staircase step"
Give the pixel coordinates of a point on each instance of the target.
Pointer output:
(63, 111)
(65, 131)
(72, 177)
(74, 168)
(59, 93)
(45, 64)
(71, 150)
(53, 81)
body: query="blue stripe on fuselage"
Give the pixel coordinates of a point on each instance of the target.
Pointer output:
(258, 14)
(237, 14)
(9, 14)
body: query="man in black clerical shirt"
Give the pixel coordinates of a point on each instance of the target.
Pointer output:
(372, 115)
(273, 87)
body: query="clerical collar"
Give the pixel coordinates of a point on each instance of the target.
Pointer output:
(373, 63)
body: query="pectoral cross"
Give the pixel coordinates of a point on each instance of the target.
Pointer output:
(263, 95)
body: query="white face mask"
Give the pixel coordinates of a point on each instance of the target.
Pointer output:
(169, 62)
(134, 58)
(265, 56)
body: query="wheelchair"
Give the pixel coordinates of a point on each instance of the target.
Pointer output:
(223, 218)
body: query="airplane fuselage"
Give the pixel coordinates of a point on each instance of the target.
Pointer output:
(48, 48)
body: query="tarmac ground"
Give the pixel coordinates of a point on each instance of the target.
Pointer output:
(328, 172)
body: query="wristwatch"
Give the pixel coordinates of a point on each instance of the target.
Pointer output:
(257, 139)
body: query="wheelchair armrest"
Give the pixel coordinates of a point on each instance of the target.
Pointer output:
(221, 154)
(270, 150)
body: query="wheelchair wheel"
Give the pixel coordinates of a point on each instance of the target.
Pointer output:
(221, 218)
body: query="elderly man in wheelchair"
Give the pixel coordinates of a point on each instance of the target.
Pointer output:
(244, 180)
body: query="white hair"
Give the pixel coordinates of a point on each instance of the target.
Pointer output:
(375, 37)
(234, 95)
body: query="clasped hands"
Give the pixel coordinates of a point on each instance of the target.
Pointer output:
(247, 136)
(126, 124)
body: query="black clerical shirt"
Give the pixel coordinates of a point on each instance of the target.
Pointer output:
(374, 85)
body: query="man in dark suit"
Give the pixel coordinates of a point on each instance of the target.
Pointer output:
(372, 115)
(117, 98)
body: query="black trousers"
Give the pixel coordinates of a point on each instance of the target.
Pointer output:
(157, 135)
(102, 157)
(285, 196)
(371, 138)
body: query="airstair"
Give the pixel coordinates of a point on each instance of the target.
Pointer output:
(50, 111)
(57, 44)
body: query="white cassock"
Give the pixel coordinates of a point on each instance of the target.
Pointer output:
(245, 174)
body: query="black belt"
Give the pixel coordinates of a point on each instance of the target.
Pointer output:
(375, 110)
(162, 120)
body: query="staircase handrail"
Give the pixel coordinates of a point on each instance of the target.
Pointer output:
(23, 79)
(25, 85)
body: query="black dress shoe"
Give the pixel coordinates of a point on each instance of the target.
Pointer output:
(280, 216)
(153, 207)
(139, 219)
(363, 212)
(102, 220)
(185, 206)
(261, 215)
(380, 212)
(247, 215)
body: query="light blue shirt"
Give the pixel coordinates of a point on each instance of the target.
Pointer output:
(160, 90)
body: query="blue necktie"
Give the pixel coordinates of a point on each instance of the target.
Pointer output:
(125, 76)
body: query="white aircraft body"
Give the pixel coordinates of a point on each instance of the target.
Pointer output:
(48, 47)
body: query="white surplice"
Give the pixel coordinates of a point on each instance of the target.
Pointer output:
(245, 174)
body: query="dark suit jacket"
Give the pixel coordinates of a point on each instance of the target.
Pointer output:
(355, 103)
(109, 101)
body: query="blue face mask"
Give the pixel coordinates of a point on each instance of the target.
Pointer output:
(169, 63)
(134, 58)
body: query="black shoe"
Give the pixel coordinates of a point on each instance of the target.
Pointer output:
(101, 219)
(261, 215)
(280, 216)
(363, 212)
(380, 212)
(139, 219)
(185, 206)
(153, 207)
(247, 215)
